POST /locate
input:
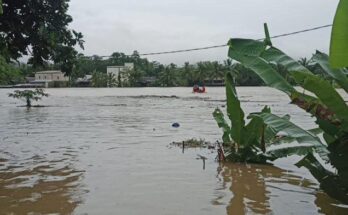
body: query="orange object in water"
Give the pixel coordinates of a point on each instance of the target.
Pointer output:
(197, 89)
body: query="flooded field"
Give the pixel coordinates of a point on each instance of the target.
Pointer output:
(107, 151)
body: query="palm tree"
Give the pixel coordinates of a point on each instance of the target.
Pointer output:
(168, 76)
(304, 62)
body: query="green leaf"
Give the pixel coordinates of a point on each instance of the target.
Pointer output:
(256, 129)
(234, 110)
(220, 119)
(339, 35)
(1, 11)
(329, 182)
(246, 47)
(275, 55)
(293, 150)
(242, 50)
(337, 74)
(325, 92)
(293, 131)
(268, 37)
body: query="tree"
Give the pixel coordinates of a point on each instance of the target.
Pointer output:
(8, 73)
(29, 95)
(99, 79)
(39, 29)
(218, 71)
(134, 76)
(168, 76)
(111, 80)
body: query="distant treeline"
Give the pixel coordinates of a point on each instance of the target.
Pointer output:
(160, 75)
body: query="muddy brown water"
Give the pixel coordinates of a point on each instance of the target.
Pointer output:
(107, 151)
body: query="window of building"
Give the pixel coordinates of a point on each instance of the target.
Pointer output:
(39, 77)
(57, 77)
(45, 77)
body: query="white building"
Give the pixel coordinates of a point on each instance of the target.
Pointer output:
(116, 70)
(54, 75)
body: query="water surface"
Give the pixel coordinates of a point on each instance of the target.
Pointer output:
(107, 151)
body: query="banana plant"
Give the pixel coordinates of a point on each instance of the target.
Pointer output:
(327, 105)
(258, 141)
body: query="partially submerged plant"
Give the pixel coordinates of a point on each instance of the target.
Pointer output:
(252, 141)
(29, 95)
(192, 143)
(327, 106)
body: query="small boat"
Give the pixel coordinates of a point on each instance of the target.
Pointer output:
(197, 89)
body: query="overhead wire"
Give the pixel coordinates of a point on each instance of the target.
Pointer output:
(224, 45)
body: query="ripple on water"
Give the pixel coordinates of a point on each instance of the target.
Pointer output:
(112, 144)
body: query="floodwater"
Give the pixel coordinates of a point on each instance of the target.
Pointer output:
(107, 151)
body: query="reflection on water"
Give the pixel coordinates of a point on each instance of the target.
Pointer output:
(104, 151)
(39, 186)
(256, 188)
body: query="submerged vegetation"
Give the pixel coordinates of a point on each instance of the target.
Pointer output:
(193, 143)
(29, 95)
(254, 142)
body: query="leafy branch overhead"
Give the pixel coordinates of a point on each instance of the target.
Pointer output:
(39, 30)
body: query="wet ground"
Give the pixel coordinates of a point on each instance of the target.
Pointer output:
(107, 151)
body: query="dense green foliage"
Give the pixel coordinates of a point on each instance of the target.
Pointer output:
(165, 75)
(254, 141)
(38, 29)
(8, 73)
(327, 105)
(28, 95)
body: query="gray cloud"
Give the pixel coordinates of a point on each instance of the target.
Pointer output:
(162, 25)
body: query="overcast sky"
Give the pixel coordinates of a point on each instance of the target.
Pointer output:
(162, 25)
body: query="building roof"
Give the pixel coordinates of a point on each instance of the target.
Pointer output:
(49, 72)
(115, 66)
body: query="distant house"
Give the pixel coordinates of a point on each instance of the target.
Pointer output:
(147, 81)
(52, 78)
(85, 81)
(120, 70)
(54, 75)
(214, 82)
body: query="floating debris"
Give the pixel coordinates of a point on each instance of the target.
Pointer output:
(194, 143)
(175, 125)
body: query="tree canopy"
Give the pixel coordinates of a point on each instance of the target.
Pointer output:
(39, 29)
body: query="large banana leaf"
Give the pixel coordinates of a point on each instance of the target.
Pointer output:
(325, 92)
(234, 110)
(332, 184)
(292, 150)
(337, 74)
(339, 41)
(220, 119)
(292, 130)
(275, 55)
(257, 133)
(248, 53)
(306, 138)
(246, 47)
(253, 132)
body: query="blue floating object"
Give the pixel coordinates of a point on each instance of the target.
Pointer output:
(175, 125)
